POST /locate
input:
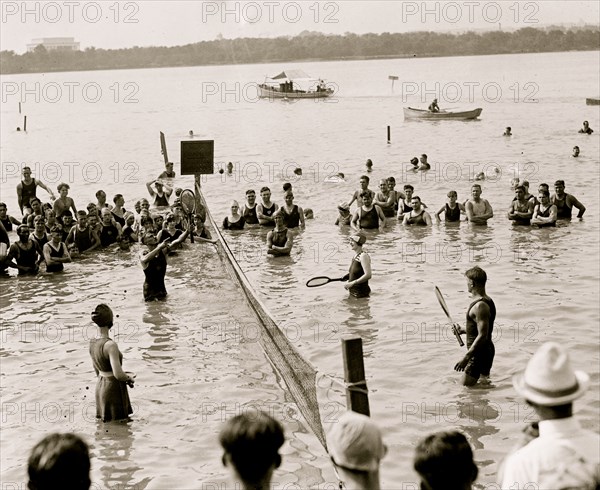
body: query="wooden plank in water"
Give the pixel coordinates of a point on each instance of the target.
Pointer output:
(163, 147)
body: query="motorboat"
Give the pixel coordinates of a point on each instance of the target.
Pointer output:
(294, 84)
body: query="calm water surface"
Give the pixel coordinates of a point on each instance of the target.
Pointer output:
(197, 358)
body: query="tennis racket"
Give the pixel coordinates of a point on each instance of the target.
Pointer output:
(188, 203)
(322, 280)
(444, 306)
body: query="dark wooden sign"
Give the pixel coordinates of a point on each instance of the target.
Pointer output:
(197, 157)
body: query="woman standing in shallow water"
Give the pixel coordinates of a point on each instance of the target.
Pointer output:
(360, 268)
(112, 399)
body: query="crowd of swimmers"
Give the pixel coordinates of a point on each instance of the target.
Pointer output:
(55, 233)
(374, 208)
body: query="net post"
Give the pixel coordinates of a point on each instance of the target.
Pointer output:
(197, 184)
(354, 375)
(198, 195)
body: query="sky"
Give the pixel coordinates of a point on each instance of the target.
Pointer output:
(111, 24)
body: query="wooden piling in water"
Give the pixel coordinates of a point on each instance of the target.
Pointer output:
(357, 397)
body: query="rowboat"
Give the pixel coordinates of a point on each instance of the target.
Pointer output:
(411, 113)
(592, 101)
(293, 84)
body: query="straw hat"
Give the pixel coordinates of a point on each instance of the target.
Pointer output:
(355, 442)
(549, 380)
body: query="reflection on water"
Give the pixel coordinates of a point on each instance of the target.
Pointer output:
(476, 415)
(114, 444)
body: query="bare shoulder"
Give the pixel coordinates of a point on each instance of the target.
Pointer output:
(110, 347)
(481, 308)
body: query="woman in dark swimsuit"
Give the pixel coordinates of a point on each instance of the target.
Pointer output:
(235, 221)
(360, 268)
(112, 398)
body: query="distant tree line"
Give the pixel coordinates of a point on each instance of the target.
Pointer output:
(306, 46)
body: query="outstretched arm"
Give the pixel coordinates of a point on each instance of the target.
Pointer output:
(354, 196)
(181, 238)
(45, 187)
(145, 259)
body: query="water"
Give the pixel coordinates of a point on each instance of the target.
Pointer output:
(196, 355)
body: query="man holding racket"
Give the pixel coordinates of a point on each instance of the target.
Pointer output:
(481, 313)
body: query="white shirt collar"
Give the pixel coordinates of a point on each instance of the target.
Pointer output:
(559, 427)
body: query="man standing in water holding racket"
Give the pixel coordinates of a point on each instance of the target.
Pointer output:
(477, 362)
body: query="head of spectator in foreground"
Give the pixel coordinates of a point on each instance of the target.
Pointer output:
(445, 460)
(251, 443)
(356, 449)
(59, 461)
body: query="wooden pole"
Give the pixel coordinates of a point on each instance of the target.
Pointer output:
(25, 123)
(19, 108)
(393, 78)
(200, 210)
(163, 147)
(389, 134)
(357, 398)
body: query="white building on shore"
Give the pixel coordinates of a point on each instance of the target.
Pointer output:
(54, 44)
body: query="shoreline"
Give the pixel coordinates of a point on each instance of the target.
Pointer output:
(300, 60)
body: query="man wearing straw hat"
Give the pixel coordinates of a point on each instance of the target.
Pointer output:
(563, 455)
(356, 449)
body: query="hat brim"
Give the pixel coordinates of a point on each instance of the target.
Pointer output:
(583, 383)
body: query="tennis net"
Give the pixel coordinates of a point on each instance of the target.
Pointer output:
(297, 373)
